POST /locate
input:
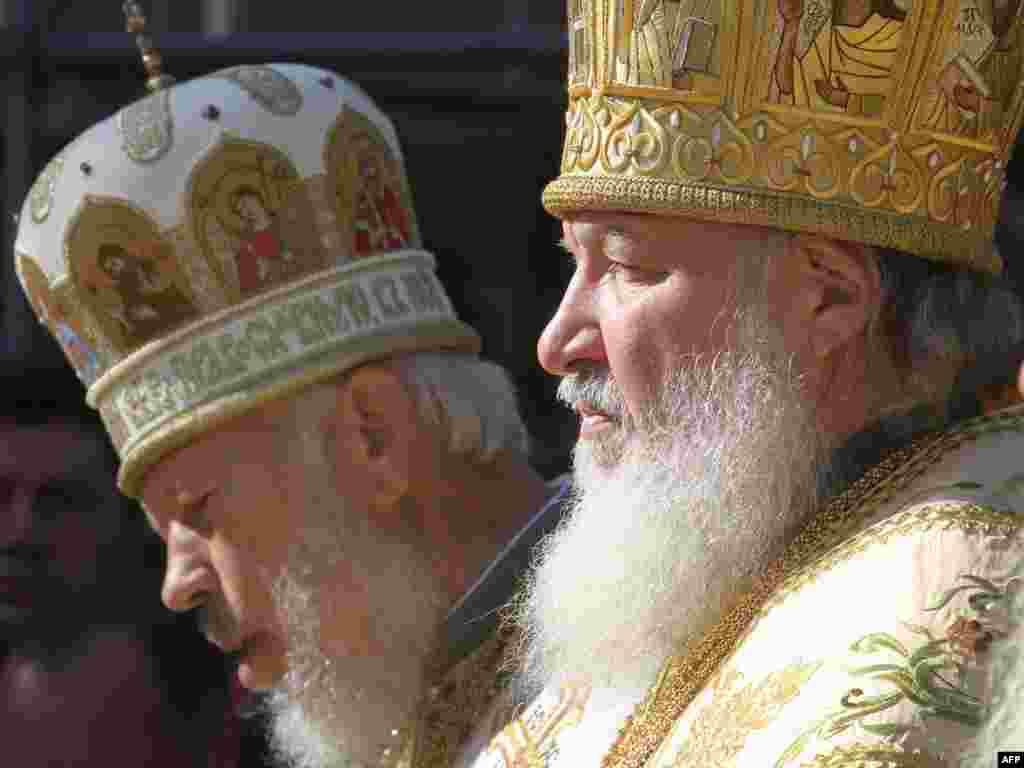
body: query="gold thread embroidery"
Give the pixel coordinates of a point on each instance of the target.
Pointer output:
(720, 731)
(872, 756)
(688, 672)
(917, 194)
(456, 703)
(912, 74)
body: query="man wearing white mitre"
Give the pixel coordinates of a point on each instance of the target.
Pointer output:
(795, 538)
(338, 477)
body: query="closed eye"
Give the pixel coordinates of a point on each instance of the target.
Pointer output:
(194, 509)
(635, 274)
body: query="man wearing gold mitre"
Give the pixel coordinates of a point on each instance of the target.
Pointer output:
(337, 476)
(795, 538)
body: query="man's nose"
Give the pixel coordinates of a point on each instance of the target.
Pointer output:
(189, 577)
(572, 336)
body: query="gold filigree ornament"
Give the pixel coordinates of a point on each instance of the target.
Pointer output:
(884, 123)
(720, 732)
(873, 756)
(211, 259)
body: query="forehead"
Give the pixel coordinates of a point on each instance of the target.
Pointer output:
(43, 453)
(592, 228)
(246, 443)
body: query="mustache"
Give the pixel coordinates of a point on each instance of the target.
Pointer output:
(596, 389)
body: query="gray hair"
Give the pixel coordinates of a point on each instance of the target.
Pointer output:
(472, 401)
(937, 322)
(469, 401)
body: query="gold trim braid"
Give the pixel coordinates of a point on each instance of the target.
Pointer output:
(788, 212)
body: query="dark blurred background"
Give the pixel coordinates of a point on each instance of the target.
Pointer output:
(475, 91)
(474, 88)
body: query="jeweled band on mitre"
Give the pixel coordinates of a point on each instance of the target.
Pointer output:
(888, 122)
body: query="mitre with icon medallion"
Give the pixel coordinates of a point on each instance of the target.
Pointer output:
(887, 122)
(223, 242)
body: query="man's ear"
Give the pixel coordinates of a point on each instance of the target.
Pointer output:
(840, 289)
(374, 430)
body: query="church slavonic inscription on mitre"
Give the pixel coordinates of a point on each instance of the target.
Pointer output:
(666, 43)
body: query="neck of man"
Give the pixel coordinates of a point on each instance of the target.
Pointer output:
(479, 508)
(868, 446)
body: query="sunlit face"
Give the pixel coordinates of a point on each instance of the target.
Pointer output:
(647, 293)
(327, 593)
(226, 506)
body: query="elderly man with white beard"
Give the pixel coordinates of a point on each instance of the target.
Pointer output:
(332, 467)
(796, 536)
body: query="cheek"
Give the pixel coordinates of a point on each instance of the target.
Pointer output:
(640, 340)
(245, 584)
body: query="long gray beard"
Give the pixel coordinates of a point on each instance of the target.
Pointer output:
(675, 513)
(300, 705)
(345, 709)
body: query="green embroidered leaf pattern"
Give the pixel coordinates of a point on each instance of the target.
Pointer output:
(946, 597)
(967, 485)
(916, 675)
(887, 730)
(877, 641)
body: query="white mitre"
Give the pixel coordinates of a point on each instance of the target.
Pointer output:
(223, 242)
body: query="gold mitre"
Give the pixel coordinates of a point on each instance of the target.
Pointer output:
(887, 122)
(223, 242)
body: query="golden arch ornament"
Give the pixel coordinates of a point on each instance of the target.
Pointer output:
(126, 272)
(252, 218)
(368, 187)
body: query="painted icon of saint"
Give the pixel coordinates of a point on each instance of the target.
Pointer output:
(837, 54)
(149, 303)
(978, 81)
(263, 257)
(380, 221)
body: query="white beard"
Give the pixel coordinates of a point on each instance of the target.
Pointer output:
(674, 514)
(339, 709)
